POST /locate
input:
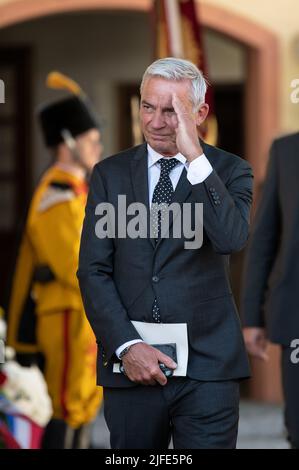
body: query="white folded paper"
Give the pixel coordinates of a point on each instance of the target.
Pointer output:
(165, 333)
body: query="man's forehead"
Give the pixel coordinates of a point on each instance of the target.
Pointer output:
(163, 99)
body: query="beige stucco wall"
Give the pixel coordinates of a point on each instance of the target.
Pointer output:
(282, 18)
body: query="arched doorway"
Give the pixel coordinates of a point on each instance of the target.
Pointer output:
(262, 87)
(262, 59)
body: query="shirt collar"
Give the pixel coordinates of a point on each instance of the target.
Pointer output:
(154, 156)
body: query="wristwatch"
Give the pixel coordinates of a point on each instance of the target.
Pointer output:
(124, 351)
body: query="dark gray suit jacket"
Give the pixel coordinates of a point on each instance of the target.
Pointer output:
(120, 277)
(271, 275)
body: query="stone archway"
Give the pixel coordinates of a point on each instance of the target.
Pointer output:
(262, 106)
(261, 45)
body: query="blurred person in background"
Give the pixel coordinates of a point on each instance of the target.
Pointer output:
(46, 315)
(271, 276)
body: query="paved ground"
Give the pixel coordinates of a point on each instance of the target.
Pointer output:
(261, 427)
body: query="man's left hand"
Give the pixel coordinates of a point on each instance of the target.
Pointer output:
(187, 140)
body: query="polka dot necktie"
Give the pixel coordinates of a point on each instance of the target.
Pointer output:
(162, 195)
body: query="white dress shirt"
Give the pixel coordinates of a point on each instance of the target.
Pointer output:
(197, 171)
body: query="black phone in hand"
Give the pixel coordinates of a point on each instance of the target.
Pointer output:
(169, 350)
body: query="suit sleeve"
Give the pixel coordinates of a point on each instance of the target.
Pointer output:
(262, 249)
(103, 306)
(226, 208)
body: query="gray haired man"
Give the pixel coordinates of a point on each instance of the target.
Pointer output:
(135, 285)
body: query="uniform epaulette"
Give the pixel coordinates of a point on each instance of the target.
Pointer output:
(57, 192)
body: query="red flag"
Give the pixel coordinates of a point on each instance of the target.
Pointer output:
(179, 34)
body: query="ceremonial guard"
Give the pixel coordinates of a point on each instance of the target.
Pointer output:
(46, 314)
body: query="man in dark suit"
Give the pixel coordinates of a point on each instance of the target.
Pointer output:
(158, 280)
(270, 292)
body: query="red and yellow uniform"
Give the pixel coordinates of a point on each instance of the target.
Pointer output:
(62, 332)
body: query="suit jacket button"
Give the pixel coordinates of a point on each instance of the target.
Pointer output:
(155, 279)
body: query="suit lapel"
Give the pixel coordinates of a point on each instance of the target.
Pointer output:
(184, 188)
(181, 193)
(139, 176)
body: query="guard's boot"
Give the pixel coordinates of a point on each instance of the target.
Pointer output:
(58, 435)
